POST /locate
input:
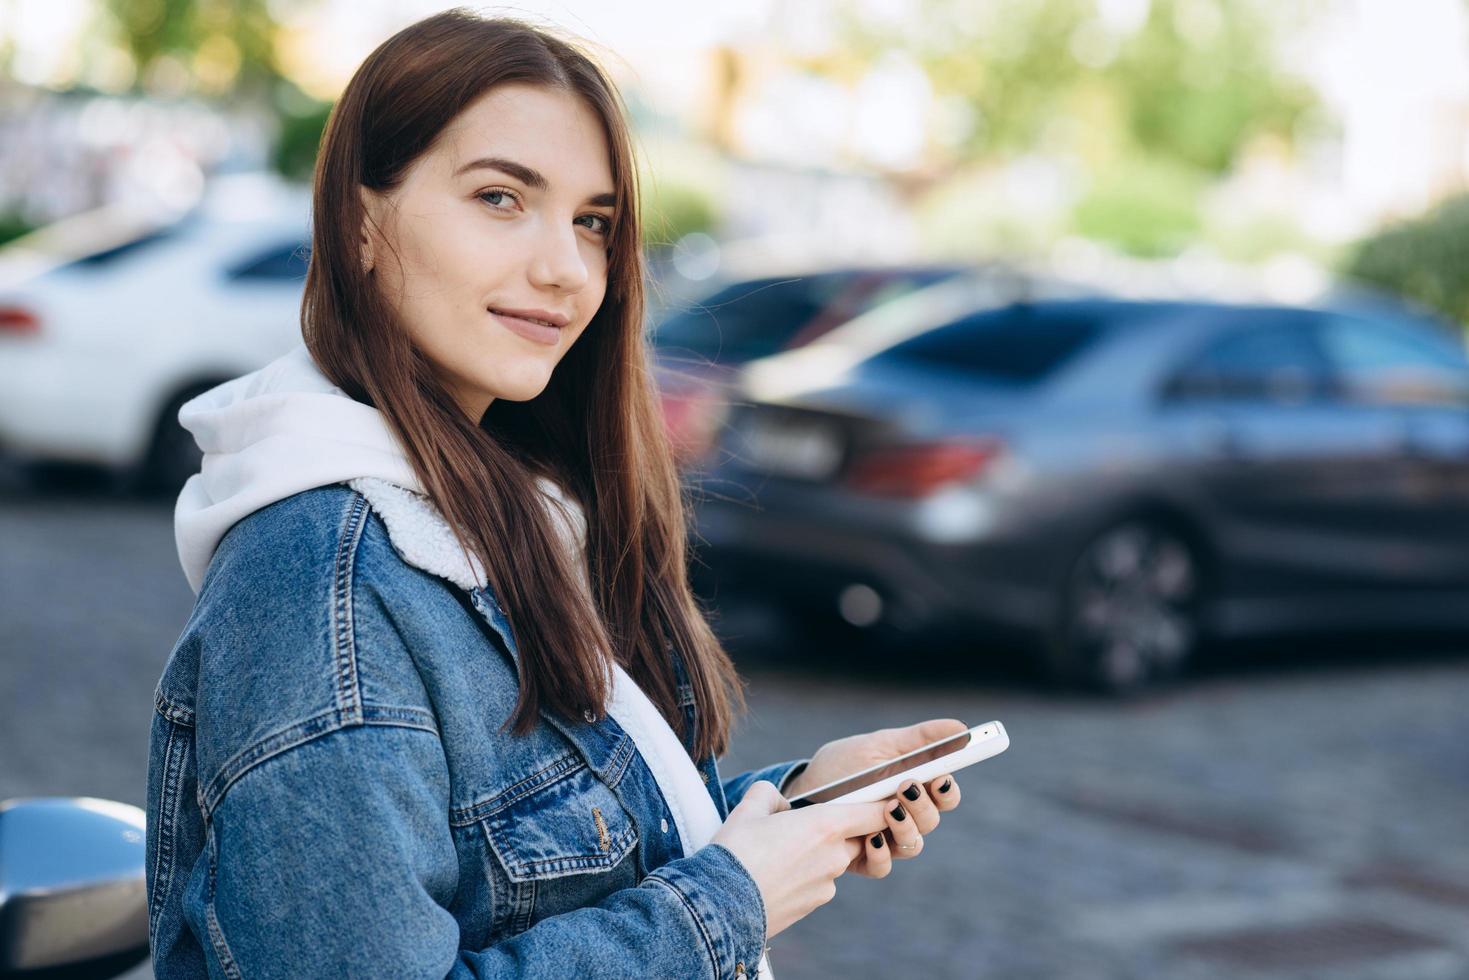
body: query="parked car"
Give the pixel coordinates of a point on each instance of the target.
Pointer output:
(1116, 480)
(699, 346)
(107, 330)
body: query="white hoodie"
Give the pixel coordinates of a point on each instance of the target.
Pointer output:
(286, 428)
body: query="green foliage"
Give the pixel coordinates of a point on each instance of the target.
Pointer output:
(1197, 95)
(1148, 207)
(1260, 236)
(152, 29)
(1155, 112)
(971, 217)
(300, 138)
(1423, 259)
(1195, 82)
(671, 210)
(1006, 58)
(12, 226)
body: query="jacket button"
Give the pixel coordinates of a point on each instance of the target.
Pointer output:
(665, 825)
(590, 718)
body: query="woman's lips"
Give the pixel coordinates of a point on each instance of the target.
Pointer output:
(541, 333)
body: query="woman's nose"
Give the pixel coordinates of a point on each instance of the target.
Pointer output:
(558, 262)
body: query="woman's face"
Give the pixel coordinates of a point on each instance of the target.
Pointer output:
(509, 210)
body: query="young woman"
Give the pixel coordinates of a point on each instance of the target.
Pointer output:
(445, 705)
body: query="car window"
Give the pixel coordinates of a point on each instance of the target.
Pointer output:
(122, 250)
(889, 288)
(1267, 358)
(1378, 362)
(749, 319)
(281, 261)
(863, 293)
(1017, 344)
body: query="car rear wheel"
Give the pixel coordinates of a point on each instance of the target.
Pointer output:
(1129, 612)
(173, 456)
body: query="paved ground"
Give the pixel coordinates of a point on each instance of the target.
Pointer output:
(1300, 816)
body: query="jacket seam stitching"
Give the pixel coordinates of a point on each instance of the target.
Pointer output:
(525, 906)
(167, 818)
(555, 771)
(349, 693)
(173, 712)
(221, 947)
(562, 865)
(698, 921)
(217, 941)
(617, 765)
(312, 728)
(759, 898)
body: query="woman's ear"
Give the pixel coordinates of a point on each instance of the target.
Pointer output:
(369, 221)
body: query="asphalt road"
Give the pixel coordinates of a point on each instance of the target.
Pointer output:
(1292, 812)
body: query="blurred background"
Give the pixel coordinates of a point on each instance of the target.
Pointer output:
(1093, 365)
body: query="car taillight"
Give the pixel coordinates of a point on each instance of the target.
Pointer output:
(692, 418)
(919, 470)
(18, 319)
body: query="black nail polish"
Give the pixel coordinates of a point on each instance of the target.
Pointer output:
(899, 813)
(877, 840)
(911, 793)
(944, 788)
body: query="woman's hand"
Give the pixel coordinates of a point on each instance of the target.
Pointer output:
(910, 815)
(913, 813)
(795, 856)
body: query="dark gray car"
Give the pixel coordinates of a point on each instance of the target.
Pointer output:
(1117, 479)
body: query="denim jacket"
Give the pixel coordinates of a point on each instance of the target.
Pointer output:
(331, 793)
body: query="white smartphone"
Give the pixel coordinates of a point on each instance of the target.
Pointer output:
(881, 781)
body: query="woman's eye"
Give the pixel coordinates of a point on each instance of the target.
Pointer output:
(606, 223)
(497, 192)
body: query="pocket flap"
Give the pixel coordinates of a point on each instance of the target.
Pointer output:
(571, 824)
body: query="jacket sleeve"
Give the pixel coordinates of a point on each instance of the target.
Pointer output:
(335, 858)
(780, 774)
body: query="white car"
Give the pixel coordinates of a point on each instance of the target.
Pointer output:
(108, 324)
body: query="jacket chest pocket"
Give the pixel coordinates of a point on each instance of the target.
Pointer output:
(558, 841)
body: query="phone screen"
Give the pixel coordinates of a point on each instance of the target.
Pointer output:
(883, 770)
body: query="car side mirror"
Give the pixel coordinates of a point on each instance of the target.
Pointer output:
(73, 895)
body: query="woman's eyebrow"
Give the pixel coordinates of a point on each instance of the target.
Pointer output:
(529, 177)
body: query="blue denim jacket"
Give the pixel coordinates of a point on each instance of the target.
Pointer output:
(331, 794)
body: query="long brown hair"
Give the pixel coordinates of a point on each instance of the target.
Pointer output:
(595, 429)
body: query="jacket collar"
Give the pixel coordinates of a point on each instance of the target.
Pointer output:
(423, 539)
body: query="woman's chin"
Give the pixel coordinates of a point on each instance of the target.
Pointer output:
(524, 388)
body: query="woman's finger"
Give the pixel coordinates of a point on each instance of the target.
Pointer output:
(907, 841)
(944, 792)
(920, 808)
(879, 857)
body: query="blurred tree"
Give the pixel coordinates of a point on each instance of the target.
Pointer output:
(1155, 109)
(224, 45)
(1423, 259)
(8, 14)
(1007, 59)
(1199, 79)
(1195, 78)
(1146, 207)
(672, 209)
(224, 49)
(302, 122)
(12, 226)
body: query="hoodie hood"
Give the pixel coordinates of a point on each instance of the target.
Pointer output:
(286, 428)
(270, 434)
